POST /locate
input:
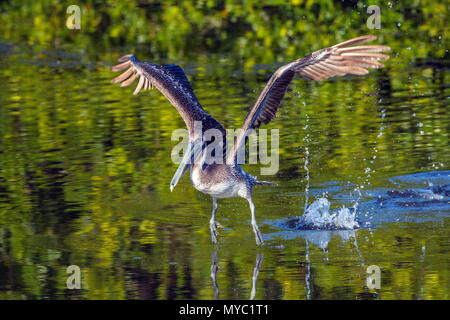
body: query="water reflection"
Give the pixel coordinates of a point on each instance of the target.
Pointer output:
(308, 272)
(322, 238)
(84, 171)
(258, 263)
(215, 269)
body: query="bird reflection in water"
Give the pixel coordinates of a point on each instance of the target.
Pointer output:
(215, 270)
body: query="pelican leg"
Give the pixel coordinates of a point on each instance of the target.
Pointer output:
(212, 222)
(258, 236)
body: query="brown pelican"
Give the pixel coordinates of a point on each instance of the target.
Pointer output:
(227, 179)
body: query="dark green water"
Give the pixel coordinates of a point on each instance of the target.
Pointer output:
(85, 169)
(85, 172)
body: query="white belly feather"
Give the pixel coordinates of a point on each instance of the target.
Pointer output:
(225, 189)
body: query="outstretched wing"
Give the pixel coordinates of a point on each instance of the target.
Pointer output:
(338, 60)
(136, 69)
(170, 80)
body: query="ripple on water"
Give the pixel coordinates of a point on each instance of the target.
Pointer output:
(416, 198)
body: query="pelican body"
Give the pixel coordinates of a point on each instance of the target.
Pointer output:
(226, 179)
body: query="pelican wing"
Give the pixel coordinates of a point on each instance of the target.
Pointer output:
(144, 70)
(338, 60)
(171, 81)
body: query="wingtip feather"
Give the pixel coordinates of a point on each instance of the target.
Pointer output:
(125, 57)
(360, 39)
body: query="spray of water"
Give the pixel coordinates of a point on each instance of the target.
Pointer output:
(307, 140)
(318, 216)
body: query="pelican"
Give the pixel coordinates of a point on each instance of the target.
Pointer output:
(227, 179)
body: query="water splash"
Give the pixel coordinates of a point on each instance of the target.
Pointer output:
(414, 198)
(318, 216)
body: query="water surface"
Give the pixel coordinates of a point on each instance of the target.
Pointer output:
(85, 170)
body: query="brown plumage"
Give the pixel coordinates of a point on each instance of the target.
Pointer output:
(172, 82)
(338, 60)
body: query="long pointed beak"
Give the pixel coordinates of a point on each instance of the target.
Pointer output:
(192, 153)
